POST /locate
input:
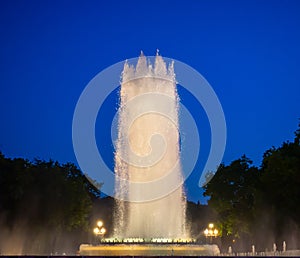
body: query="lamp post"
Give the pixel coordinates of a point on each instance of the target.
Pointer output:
(211, 232)
(100, 230)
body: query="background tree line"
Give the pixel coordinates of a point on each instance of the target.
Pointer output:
(45, 207)
(48, 207)
(259, 205)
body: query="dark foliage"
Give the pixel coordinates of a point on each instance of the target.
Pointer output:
(259, 205)
(47, 207)
(42, 200)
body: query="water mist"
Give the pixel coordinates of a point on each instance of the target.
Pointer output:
(147, 158)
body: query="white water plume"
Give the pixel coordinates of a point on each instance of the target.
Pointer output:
(147, 160)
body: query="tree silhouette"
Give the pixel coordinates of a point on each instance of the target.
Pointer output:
(44, 196)
(250, 200)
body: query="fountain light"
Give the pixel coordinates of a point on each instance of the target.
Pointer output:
(100, 230)
(211, 232)
(96, 231)
(99, 223)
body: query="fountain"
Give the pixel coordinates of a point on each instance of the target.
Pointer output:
(150, 208)
(144, 216)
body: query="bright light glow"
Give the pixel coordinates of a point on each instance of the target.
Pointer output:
(99, 223)
(142, 240)
(96, 231)
(102, 231)
(211, 231)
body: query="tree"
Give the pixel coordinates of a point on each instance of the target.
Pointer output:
(46, 198)
(260, 205)
(280, 191)
(231, 193)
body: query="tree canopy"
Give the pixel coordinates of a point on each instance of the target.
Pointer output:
(46, 206)
(250, 201)
(43, 196)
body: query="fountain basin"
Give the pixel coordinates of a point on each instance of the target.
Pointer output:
(149, 250)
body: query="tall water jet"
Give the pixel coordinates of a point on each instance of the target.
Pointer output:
(150, 208)
(151, 202)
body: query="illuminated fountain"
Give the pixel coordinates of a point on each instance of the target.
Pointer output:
(142, 159)
(150, 208)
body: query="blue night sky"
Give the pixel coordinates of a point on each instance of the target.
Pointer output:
(49, 50)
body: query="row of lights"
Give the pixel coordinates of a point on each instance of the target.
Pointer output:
(152, 240)
(211, 231)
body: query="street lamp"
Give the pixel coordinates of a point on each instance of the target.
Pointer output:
(100, 229)
(99, 223)
(211, 232)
